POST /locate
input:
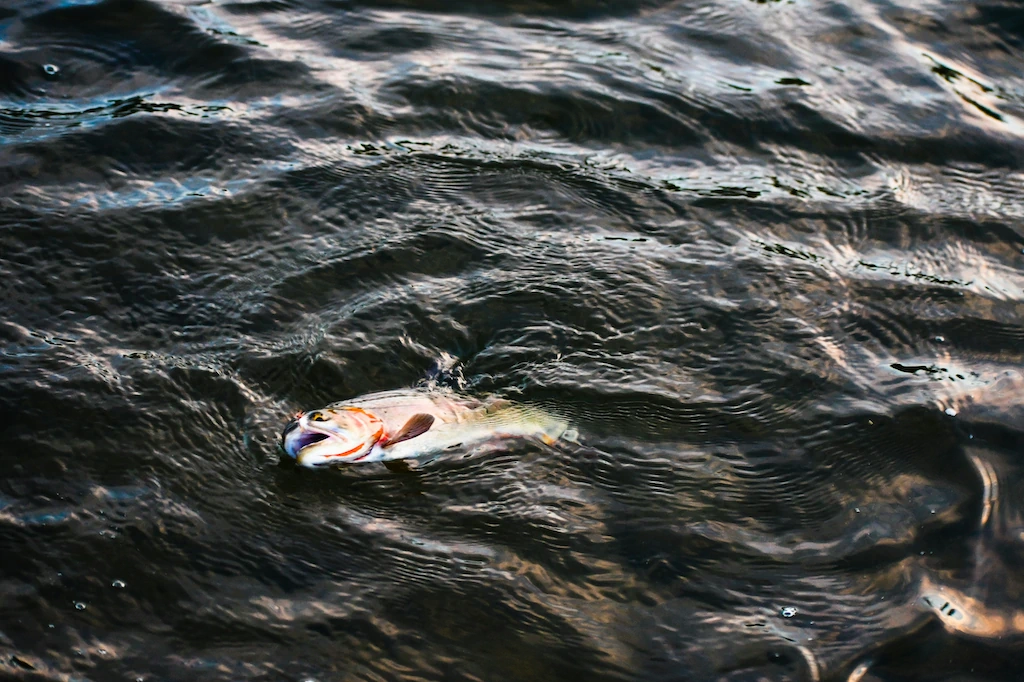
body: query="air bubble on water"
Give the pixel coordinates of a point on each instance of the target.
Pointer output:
(118, 584)
(950, 411)
(51, 69)
(80, 605)
(940, 339)
(857, 509)
(788, 611)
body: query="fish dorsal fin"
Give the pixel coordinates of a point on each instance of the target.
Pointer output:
(417, 424)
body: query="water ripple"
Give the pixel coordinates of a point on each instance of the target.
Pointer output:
(766, 257)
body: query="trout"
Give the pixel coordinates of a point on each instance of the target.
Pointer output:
(409, 424)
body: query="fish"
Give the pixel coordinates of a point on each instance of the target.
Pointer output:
(412, 424)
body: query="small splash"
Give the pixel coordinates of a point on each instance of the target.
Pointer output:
(788, 611)
(446, 372)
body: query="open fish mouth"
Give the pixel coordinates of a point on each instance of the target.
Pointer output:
(292, 443)
(308, 438)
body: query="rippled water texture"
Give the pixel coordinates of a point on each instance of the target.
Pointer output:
(768, 257)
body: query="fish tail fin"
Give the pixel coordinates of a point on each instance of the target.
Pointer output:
(569, 435)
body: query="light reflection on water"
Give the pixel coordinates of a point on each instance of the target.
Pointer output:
(767, 256)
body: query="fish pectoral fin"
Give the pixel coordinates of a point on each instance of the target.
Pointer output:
(418, 424)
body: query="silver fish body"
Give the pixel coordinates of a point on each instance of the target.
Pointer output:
(409, 424)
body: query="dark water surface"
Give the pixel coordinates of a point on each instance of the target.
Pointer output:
(768, 257)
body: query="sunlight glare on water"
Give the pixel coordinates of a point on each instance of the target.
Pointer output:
(766, 258)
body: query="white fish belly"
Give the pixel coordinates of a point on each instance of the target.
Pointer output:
(475, 427)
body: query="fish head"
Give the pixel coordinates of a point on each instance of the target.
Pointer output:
(331, 436)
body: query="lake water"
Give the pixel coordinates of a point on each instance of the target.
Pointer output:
(768, 257)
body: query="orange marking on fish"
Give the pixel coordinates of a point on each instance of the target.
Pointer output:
(374, 420)
(360, 410)
(348, 452)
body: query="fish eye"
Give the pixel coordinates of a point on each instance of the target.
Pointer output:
(319, 417)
